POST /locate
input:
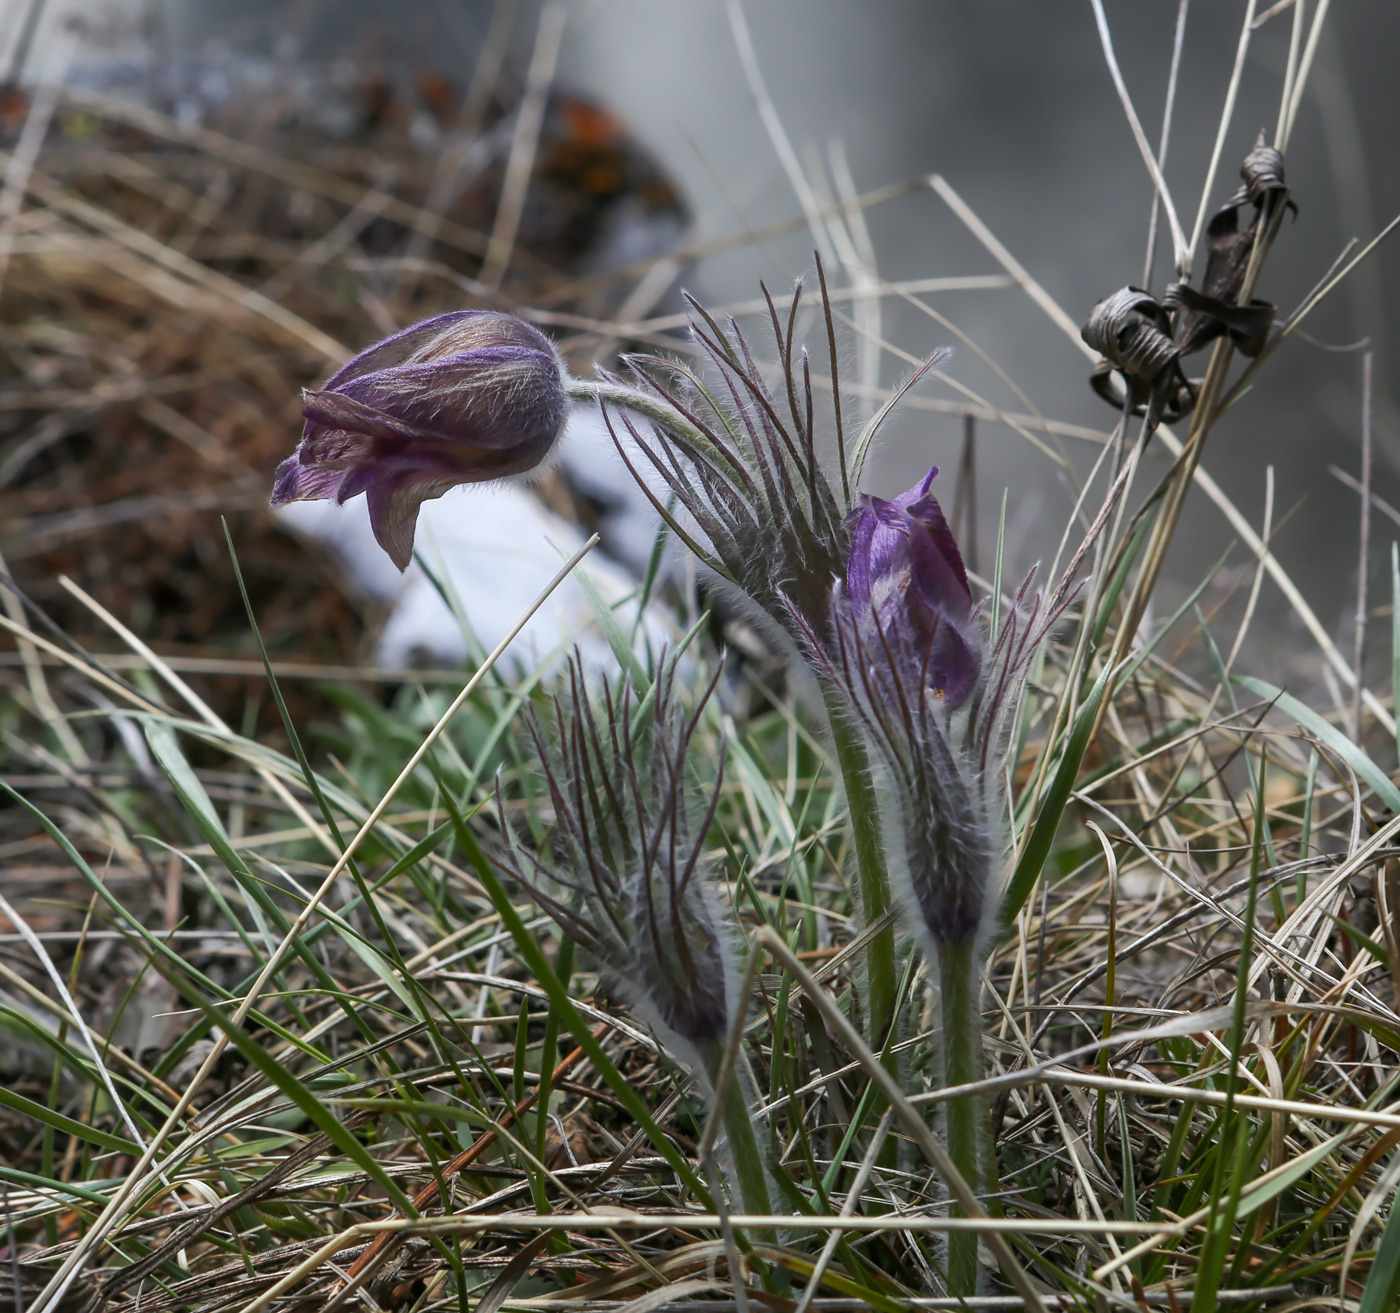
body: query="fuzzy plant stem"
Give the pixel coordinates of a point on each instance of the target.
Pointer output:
(962, 1065)
(748, 1157)
(871, 877)
(737, 1119)
(640, 402)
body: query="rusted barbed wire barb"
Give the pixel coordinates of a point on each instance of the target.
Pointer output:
(1208, 317)
(1132, 332)
(1262, 172)
(1135, 332)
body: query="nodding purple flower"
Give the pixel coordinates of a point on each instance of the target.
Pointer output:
(462, 398)
(626, 876)
(907, 589)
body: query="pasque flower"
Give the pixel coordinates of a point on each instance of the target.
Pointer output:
(626, 876)
(908, 589)
(934, 704)
(462, 398)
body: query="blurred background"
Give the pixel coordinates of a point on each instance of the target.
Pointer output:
(652, 144)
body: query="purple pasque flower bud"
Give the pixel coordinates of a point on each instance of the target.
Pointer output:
(461, 398)
(934, 703)
(908, 590)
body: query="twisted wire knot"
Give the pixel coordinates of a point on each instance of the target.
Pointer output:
(1145, 340)
(1262, 172)
(1132, 332)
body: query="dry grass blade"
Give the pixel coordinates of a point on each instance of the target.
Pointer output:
(1180, 250)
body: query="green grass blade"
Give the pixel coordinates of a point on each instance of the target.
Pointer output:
(68, 1125)
(605, 617)
(1113, 590)
(32, 1180)
(1330, 737)
(1382, 1293)
(1047, 822)
(1232, 1147)
(1296, 1170)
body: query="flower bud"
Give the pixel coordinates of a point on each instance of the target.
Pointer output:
(627, 877)
(908, 592)
(935, 704)
(462, 398)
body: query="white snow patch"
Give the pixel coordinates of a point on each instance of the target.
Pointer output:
(494, 549)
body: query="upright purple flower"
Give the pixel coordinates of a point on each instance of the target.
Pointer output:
(908, 590)
(934, 704)
(462, 398)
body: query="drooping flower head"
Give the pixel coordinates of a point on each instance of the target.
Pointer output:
(625, 876)
(461, 398)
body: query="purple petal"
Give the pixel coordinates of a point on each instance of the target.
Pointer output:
(394, 502)
(858, 568)
(918, 492)
(298, 482)
(953, 665)
(889, 542)
(345, 414)
(490, 398)
(360, 479)
(457, 331)
(935, 564)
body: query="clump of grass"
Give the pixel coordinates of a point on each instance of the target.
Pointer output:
(298, 1039)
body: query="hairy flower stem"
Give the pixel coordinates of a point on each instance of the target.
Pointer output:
(962, 1065)
(851, 760)
(744, 1148)
(636, 400)
(871, 878)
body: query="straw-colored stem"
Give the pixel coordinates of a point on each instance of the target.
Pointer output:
(962, 1065)
(1203, 419)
